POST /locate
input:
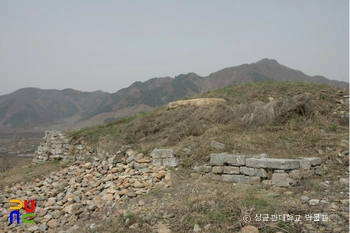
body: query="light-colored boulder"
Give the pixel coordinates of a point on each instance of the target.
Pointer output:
(196, 102)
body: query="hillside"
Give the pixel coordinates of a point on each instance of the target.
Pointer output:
(35, 109)
(305, 116)
(282, 119)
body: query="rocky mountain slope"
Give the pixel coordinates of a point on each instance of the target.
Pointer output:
(32, 108)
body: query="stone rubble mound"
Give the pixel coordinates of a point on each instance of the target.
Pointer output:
(83, 191)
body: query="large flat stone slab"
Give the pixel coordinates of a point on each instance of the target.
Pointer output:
(285, 164)
(227, 159)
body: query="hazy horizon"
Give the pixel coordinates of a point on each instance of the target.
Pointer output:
(108, 45)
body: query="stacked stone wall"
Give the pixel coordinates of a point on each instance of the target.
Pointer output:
(255, 169)
(57, 145)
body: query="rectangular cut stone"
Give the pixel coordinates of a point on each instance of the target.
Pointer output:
(285, 164)
(247, 171)
(217, 170)
(232, 178)
(280, 179)
(171, 162)
(227, 159)
(217, 159)
(314, 161)
(238, 160)
(157, 162)
(162, 153)
(204, 169)
(305, 164)
(253, 171)
(231, 170)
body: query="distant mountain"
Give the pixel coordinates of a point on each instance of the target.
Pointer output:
(30, 108)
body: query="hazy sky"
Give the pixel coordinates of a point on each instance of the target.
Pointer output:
(108, 45)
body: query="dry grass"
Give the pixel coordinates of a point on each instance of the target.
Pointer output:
(28, 173)
(298, 122)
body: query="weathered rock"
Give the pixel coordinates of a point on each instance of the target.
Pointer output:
(217, 145)
(227, 159)
(304, 198)
(53, 224)
(253, 171)
(281, 180)
(230, 170)
(196, 102)
(285, 164)
(197, 228)
(344, 181)
(319, 170)
(314, 202)
(217, 170)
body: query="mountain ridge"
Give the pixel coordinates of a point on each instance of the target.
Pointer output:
(29, 108)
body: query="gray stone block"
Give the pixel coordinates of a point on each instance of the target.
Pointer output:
(204, 169)
(162, 153)
(314, 161)
(230, 170)
(217, 145)
(131, 158)
(217, 170)
(305, 164)
(157, 162)
(217, 159)
(232, 178)
(171, 162)
(227, 159)
(281, 180)
(247, 171)
(285, 164)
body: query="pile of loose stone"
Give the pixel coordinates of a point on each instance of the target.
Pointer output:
(83, 191)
